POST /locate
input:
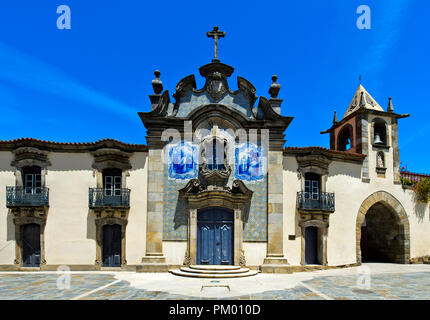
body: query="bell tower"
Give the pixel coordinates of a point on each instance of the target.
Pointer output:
(367, 129)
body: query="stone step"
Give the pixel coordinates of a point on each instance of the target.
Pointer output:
(214, 267)
(210, 271)
(248, 273)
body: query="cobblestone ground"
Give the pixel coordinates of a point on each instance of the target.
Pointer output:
(397, 282)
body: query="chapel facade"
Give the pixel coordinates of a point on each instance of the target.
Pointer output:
(214, 185)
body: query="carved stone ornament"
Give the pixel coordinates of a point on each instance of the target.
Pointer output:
(216, 86)
(187, 259)
(242, 259)
(111, 158)
(30, 156)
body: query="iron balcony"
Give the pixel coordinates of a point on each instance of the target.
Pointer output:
(107, 198)
(21, 196)
(323, 201)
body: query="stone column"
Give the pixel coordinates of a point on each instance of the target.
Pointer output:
(238, 236)
(324, 235)
(154, 259)
(275, 261)
(303, 247)
(362, 144)
(396, 153)
(192, 238)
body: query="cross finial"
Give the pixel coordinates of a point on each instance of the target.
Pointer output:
(216, 34)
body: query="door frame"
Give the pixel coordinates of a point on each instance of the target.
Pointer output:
(322, 232)
(231, 223)
(100, 223)
(236, 199)
(20, 222)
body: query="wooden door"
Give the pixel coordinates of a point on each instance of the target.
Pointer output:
(112, 245)
(31, 245)
(215, 237)
(311, 245)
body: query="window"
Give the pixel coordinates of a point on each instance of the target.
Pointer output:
(215, 154)
(112, 182)
(312, 186)
(32, 180)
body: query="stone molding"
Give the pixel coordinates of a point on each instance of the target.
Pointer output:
(198, 196)
(110, 217)
(111, 158)
(399, 212)
(30, 156)
(23, 216)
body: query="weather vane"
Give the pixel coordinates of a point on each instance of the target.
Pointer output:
(216, 34)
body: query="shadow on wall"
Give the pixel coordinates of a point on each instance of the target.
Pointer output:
(345, 169)
(138, 161)
(91, 226)
(70, 162)
(5, 159)
(420, 210)
(10, 227)
(180, 218)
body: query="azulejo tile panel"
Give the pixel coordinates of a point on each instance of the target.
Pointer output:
(183, 160)
(249, 162)
(255, 228)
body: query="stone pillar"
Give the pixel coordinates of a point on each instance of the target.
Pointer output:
(154, 259)
(396, 152)
(324, 257)
(275, 261)
(362, 144)
(303, 247)
(192, 238)
(238, 236)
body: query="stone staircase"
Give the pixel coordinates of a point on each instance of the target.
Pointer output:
(214, 271)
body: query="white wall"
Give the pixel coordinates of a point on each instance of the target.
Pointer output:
(7, 229)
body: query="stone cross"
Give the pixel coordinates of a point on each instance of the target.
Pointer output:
(216, 34)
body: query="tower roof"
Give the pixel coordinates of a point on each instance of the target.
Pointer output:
(362, 99)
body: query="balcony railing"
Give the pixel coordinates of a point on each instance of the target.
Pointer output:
(21, 196)
(323, 201)
(99, 197)
(410, 178)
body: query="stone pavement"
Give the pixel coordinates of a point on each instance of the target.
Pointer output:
(385, 281)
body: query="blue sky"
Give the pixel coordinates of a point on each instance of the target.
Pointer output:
(87, 83)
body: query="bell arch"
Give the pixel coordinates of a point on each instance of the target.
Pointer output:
(389, 202)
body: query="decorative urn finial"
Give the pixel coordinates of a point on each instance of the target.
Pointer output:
(274, 87)
(335, 118)
(157, 85)
(390, 105)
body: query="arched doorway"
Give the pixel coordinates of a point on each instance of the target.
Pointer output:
(382, 230)
(215, 236)
(31, 245)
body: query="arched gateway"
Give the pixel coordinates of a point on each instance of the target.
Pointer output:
(382, 230)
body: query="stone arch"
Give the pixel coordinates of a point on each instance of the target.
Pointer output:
(390, 202)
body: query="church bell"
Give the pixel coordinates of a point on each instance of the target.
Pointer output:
(377, 139)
